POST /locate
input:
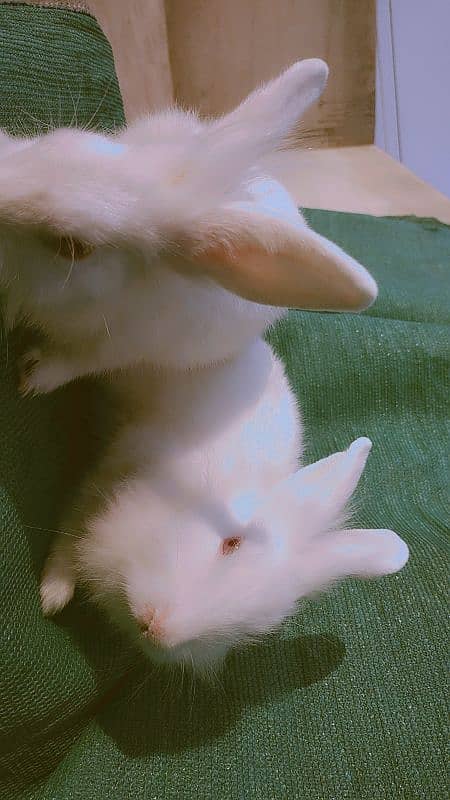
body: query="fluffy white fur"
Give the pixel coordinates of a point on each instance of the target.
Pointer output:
(176, 239)
(204, 457)
(166, 252)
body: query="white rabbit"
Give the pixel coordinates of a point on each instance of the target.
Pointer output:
(123, 249)
(196, 530)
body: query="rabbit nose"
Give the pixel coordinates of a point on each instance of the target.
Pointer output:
(151, 626)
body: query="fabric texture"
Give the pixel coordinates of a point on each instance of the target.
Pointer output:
(346, 701)
(71, 5)
(56, 68)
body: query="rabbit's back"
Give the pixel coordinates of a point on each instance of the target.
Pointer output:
(225, 429)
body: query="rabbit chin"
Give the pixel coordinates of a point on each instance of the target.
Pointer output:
(203, 657)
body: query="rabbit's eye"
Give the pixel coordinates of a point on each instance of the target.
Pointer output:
(230, 545)
(74, 248)
(66, 246)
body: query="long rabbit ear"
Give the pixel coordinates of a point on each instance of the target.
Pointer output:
(319, 492)
(262, 122)
(276, 262)
(270, 112)
(335, 478)
(261, 249)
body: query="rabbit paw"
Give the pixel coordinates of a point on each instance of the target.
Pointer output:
(27, 365)
(40, 374)
(58, 579)
(56, 591)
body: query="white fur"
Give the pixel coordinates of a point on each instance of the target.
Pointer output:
(205, 456)
(181, 221)
(193, 253)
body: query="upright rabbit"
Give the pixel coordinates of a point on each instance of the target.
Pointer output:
(166, 251)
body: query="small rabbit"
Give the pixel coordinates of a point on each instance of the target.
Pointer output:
(197, 531)
(161, 255)
(153, 245)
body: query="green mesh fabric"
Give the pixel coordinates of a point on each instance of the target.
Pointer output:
(346, 701)
(56, 68)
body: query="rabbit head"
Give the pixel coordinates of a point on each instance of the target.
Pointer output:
(187, 586)
(171, 223)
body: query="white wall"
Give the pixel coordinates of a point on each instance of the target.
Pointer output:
(413, 86)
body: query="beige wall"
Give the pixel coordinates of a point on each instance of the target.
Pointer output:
(209, 53)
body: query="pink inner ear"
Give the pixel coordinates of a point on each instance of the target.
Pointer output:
(74, 248)
(230, 545)
(243, 271)
(271, 262)
(219, 258)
